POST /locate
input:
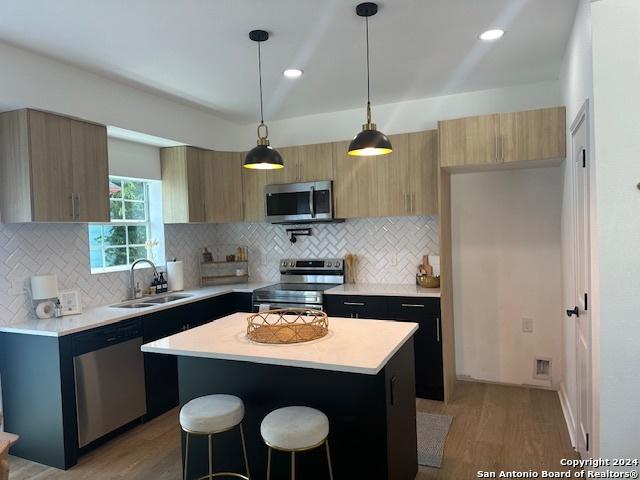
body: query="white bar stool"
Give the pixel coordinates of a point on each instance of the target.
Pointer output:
(295, 429)
(210, 415)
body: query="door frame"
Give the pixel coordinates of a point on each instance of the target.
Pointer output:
(583, 117)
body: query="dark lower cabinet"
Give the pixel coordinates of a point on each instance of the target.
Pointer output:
(425, 311)
(161, 371)
(356, 306)
(38, 386)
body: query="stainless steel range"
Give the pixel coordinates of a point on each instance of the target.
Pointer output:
(302, 284)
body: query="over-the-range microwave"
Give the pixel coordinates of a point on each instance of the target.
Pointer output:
(307, 202)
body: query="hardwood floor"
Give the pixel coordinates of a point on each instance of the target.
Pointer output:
(494, 428)
(498, 427)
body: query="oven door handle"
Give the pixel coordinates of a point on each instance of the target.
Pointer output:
(312, 206)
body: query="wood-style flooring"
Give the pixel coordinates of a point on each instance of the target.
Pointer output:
(494, 428)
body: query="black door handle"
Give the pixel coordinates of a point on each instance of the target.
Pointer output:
(573, 311)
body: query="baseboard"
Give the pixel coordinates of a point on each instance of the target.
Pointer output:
(568, 414)
(469, 378)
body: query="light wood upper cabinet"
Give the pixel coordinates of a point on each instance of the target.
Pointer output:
(469, 141)
(253, 183)
(401, 183)
(90, 178)
(182, 184)
(393, 178)
(315, 162)
(223, 186)
(533, 135)
(423, 172)
(288, 174)
(304, 163)
(201, 185)
(503, 138)
(52, 168)
(355, 186)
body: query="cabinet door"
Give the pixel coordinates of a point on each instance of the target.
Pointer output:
(315, 162)
(423, 172)
(222, 179)
(90, 171)
(182, 184)
(393, 178)
(51, 167)
(356, 306)
(253, 183)
(427, 341)
(533, 135)
(195, 185)
(291, 172)
(355, 185)
(469, 141)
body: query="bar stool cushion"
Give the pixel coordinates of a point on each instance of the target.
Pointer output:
(294, 428)
(211, 413)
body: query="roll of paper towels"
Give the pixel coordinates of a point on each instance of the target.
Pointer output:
(175, 275)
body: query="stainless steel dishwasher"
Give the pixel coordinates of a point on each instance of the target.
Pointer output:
(109, 379)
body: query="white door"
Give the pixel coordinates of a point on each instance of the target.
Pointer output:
(580, 311)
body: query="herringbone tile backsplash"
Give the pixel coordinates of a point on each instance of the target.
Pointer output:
(388, 248)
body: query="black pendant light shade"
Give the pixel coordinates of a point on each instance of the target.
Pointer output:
(370, 141)
(262, 156)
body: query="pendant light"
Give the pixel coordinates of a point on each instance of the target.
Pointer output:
(262, 156)
(369, 141)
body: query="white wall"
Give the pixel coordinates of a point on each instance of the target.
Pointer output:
(577, 86)
(616, 68)
(506, 258)
(32, 80)
(410, 116)
(135, 160)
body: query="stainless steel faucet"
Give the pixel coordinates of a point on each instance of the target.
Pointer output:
(132, 285)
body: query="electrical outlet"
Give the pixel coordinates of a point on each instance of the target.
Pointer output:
(527, 325)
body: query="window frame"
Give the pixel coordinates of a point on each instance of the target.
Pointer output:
(124, 223)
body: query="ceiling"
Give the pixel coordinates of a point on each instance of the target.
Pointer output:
(198, 51)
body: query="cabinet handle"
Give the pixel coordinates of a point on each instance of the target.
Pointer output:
(392, 387)
(354, 304)
(73, 207)
(406, 202)
(496, 148)
(413, 305)
(77, 207)
(502, 147)
(413, 202)
(438, 329)
(357, 315)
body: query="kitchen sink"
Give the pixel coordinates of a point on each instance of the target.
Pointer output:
(152, 302)
(134, 305)
(167, 299)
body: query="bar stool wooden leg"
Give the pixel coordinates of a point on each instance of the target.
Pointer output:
(326, 443)
(244, 451)
(293, 465)
(186, 455)
(269, 463)
(210, 459)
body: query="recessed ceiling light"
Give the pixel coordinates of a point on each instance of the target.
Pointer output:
(292, 73)
(490, 35)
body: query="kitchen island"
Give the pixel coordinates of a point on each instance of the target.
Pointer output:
(361, 375)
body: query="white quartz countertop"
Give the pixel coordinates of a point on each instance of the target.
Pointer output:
(391, 290)
(352, 345)
(106, 315)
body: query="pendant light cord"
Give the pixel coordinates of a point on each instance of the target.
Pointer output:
(368, 73)
(260, 83)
